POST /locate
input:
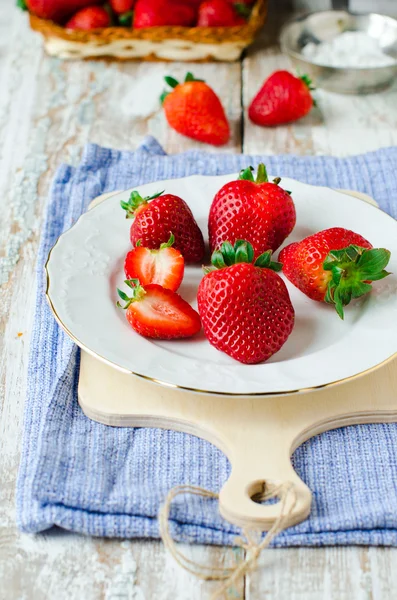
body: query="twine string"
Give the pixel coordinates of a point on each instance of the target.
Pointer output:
(252, 541)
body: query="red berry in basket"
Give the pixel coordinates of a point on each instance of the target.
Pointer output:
(251, 209)
(157, 13)
(283, 98)
(157, 217)
(156, 312)
(57, 10)
(193, 109)
(92, 17)
(121, 6)
(334, 266)
(218, 13)
(244, 307)
(164, 266)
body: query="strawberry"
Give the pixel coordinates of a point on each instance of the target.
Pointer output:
(251, 209)
(155, 13)
(193, 109)
(56, 10)
(218, 13)
(121, 6)
(156, 217)
(164, 266)
(155, 312)
(283, 98)
(244, 307)
(91, 17)
(334, 266)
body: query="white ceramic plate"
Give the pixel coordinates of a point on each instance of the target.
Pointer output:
(86, 266)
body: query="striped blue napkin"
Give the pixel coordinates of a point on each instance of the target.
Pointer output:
(108, 481)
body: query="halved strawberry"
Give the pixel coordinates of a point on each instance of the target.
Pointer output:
(155, 312)
(164, 266)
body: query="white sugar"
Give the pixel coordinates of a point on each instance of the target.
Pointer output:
(349, 49)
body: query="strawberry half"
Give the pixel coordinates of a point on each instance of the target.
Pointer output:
(157, 216)
(283, 98)
(193, 109)
(155, 312)
(251, 209)
(164, 266)
(334, 266)
(245, 308)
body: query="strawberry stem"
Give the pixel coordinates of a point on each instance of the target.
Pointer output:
(169, 243)
(135, 201)
(138, 293)
(241, 252)
(353, 269)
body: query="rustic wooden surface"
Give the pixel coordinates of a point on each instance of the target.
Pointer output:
(48, 111)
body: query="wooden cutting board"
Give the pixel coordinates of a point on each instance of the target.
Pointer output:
(258, 434)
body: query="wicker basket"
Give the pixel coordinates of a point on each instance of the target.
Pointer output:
(200, 44)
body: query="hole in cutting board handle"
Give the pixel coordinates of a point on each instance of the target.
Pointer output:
(257, 491)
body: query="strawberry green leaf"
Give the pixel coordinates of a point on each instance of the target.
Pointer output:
(135, 201)
(241, 255)
(164, 96)
(242, 252)
(191, 77)
(171, 81)
(227, 252)
(218, 260)
(307, 81)
(265, 262)
(22, 4)
(261, 174)
(247, 174)
(125, 19)
(138, 293)
(243, 10)
(352, 270)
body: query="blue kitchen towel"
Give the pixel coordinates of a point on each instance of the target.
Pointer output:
(109, 481)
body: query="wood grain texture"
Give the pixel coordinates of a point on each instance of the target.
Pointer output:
(48, 111)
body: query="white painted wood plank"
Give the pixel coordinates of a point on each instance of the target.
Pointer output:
(340, 573)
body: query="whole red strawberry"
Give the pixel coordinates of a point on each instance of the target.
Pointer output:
(283, 98)
(121, 6)
(57, 10)
(218, 13)
(193, 109)
(91, 17)
(245, 308)
(157, 13)
(334, 266)
(251, 209)
(157, 217)
(156, 312)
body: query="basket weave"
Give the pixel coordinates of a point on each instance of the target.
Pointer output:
(201, 44)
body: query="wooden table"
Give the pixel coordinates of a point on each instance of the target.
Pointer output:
(48, 111)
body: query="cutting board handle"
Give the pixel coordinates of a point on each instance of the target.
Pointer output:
(259, 473)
